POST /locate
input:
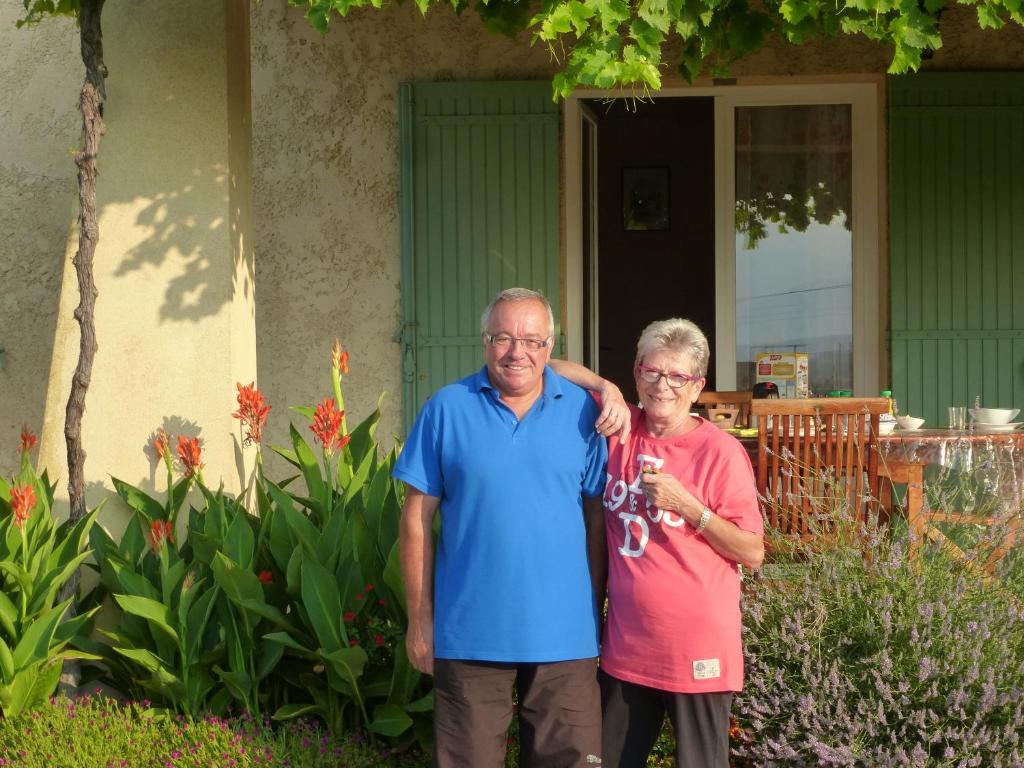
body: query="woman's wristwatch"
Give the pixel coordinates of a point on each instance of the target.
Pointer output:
(705, 518)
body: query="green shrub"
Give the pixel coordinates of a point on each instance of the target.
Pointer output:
(96, 732)
(295, 608)
(37, 558)
(857, 655)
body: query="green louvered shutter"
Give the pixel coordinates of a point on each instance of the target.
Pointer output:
(480, 212)
(957, 240)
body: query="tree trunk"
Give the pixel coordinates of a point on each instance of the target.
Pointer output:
(91, 106)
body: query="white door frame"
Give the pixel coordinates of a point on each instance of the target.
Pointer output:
(868, 201)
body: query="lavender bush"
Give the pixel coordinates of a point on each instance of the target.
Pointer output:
(858, 659)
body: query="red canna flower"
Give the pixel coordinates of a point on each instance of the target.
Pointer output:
(382, 601)
(369, 587)
(327, 426)
(28, 440)
(378, 639)
(339, 357)
(161, 443)
(360, 596)
(23, 501)
(159, 532)
(190, 453)
(252, 412)
(349, 616)
(266, 577)
(354, 643)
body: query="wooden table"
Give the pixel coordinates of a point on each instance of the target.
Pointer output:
(946, 447)
(995, 460)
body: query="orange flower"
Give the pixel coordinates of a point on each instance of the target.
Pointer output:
(159, 532)
(161, 443)
(252, 412)
(339, 357)
(266, 577)
(327, 426)
(28, 440)
(23, 501)
(190, 453)
(735, 732)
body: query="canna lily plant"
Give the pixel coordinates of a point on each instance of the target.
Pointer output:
(156, 649)
(37, 557)
(337, 546)
(183, 643)
(296, 610)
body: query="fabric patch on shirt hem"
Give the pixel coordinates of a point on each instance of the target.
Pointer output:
(677, 686)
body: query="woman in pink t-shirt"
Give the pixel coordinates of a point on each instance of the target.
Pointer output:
(681, 516)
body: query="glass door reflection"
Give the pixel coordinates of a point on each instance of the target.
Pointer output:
(794, 242)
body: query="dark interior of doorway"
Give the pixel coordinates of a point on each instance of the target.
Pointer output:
(656, 255)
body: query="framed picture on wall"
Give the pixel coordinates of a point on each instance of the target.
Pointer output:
(645, 199)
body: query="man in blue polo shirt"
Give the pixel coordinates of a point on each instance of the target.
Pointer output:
(511, 457)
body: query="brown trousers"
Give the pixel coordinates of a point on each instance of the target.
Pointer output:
(559, 713)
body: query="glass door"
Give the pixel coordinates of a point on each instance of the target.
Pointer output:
(794, 245)
(793, 250)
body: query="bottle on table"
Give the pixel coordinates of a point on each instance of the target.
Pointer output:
(887, 394)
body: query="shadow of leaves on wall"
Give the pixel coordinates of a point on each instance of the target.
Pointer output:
(173, 426)
(183, 226)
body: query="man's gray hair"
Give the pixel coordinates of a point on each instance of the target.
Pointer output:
(517, 294)
(675, 335)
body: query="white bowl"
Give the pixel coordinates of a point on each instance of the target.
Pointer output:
(909, 422)
(886, 427)
(993, 415)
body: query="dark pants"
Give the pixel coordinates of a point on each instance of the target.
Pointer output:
(559, 713)
(633, 715)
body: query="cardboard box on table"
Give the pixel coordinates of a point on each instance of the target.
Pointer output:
(787, 370)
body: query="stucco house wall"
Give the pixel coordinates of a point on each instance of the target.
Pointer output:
(173, 266)
(324, 205)
(325, 165)
(41, 77)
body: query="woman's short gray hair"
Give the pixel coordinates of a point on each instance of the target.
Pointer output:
(675, 335)
(517, 294)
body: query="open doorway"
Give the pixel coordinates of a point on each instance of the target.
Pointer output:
(768, 236)
(649, 186)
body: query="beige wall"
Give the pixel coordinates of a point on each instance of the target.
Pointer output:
(174, 263)
(326, 169)
(325, 160)
(41, 75)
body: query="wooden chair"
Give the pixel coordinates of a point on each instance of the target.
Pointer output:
(740, 399)
(815, 452)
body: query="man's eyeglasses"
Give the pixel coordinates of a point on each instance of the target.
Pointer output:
(503, 341)
(673, 379)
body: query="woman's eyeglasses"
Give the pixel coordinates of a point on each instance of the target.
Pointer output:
(673, 379)
(502, 341)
